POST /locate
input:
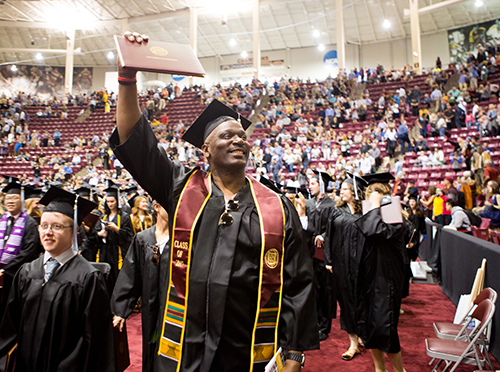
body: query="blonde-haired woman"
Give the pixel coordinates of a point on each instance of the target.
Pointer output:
(141, 219)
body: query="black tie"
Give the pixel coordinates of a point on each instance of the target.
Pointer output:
(10, 225)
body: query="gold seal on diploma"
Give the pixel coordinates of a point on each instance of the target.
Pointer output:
(272, 258)
(159, 51)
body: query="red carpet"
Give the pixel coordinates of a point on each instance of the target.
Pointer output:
(426, 304)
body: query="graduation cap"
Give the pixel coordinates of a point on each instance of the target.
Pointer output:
(131, 190)
(9, 179)
(357, 183)
(84, 191)
(384, 177)
(276, 187)
(297, 190)
(69, 204)
(132, 200)
(214, 115)
(324, 179)
(31, 192)
(113, 191)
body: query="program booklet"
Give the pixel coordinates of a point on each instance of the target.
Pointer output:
(160, 57)
(277, 363)
(391, 213)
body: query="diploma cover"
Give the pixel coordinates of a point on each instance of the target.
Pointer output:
(156, 56)
(121, 348)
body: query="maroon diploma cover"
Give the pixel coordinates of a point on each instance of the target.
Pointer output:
(156, 56)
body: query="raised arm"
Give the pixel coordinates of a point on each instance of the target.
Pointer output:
(127, 111)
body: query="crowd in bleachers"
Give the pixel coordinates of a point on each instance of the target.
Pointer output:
(426, 128)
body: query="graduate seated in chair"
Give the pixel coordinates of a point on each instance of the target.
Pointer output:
(58, 316)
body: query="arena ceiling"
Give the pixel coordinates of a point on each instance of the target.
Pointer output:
(30, 25)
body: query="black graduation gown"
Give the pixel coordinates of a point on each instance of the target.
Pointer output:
(109, 249)
(342, 250)
(90, 241)
(140, 277)
(64, 325)
(223, 284)
(30, 250)
(418, 223)
(380, 282)
(317, 215)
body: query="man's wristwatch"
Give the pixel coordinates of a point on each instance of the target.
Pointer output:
(301, 358)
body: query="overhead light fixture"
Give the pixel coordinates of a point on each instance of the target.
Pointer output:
(386, 24)
(39, 56)
(111, 55)
(415, 54)
(244, 54)
(321, 47)
(232, 42)
(14, 68)
(479, 3)
(316, 33)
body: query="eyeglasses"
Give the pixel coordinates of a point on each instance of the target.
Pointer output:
(56, 227)
(12, 198)
(156, 255)
(226, 218)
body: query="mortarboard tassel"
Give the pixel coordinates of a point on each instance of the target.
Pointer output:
(355, 188)
(22, 198)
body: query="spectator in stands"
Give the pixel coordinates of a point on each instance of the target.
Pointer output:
(456, 161)
(421, 144)
(399, 187)
(57, 138)
(429, 202)
(459, 219)
(436, 96)
(491, 123)
(375, 153)
(491, 208)
(403, 135)
(441, 124)
(451, 191)
(411, 190)
(490, 172)
(440, 215)
(460, 112)
(68, 171)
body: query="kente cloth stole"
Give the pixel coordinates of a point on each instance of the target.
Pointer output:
(192, 201)
(10, 248)
(120, 257)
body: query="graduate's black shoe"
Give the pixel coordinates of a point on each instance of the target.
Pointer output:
(322, 336)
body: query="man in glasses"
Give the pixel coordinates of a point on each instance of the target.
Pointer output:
(140, 277)
(240, 276)
(19, 241)
(58, 309)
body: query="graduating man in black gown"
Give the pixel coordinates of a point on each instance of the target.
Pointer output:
(318, 209)
(240, 275)
(58, 309)
(140, 277)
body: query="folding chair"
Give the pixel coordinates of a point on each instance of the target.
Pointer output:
(450, 331)
(456, 351)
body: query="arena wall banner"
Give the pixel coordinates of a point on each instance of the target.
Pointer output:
(42, 80)
(464, 40)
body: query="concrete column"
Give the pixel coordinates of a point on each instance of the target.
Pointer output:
(415, 37)
(70, 47)
(256, 39)
(340, 33)
(193, 33)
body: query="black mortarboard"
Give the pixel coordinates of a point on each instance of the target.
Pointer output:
(357, 182)
(9, 179)
(62, 201)
(297, 190)
(132, 200)
(324, 179)
(214, 114)
(270, 184)
(111, 189)
(384, 177)
(13, 187)
(31, 192)
(69, 204)
(84, 191)
(413, 196)
(131, 190)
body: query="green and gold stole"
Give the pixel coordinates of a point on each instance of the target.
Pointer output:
(192, 201)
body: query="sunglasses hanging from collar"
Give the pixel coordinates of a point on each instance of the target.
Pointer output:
(226, 218)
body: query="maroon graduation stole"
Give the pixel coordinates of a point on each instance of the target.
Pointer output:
(192, 201)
